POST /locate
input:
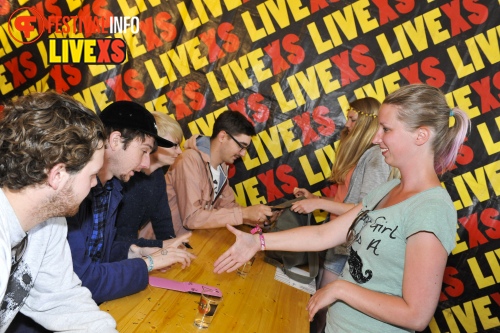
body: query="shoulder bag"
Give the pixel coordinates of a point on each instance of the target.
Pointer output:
(286, 260)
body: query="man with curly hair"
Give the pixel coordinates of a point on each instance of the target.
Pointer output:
(51, 148)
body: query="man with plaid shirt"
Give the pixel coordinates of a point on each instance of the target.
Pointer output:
(113, 269)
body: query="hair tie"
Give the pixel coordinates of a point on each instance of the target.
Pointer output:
(361, 112)
(451, 119)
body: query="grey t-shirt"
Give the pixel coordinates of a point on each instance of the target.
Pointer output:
(377, 257)
(370, 171)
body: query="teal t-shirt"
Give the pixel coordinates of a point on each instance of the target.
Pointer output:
(377, 256)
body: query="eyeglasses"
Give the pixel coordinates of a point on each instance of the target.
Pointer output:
(242, 146)
(351, 233)
(18, 252)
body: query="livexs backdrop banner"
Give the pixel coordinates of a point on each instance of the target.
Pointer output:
(291, 67)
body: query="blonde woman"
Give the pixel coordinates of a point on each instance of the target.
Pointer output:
(359, 167)
(401, 234)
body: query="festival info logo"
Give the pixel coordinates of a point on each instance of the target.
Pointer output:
(27, 25)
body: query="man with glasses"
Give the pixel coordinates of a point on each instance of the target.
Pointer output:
(198, 190)
(51, 148)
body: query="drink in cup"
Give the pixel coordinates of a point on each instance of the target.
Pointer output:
(243, 270)
(206, 310)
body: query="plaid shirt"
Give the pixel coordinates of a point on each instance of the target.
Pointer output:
(99, 210)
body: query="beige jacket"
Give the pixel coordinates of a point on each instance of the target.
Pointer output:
(190, 191)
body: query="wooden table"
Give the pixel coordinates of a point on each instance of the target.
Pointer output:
(257, 303)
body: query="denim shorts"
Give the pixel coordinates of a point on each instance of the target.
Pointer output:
(334, 262)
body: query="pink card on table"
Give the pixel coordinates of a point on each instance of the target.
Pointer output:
(187, 287)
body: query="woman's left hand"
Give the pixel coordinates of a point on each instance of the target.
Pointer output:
(322, 298)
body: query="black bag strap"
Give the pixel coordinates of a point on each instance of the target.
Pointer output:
(312, 258)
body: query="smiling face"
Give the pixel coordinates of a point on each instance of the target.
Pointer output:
(395, 140)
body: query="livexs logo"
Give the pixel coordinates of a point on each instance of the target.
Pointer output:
(26, 25)
(89, 51)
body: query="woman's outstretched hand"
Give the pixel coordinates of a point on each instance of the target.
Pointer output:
(240, 252)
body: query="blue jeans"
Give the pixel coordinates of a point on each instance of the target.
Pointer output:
(334, 262)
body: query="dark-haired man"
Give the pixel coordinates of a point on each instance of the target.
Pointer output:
(109, 268)
(51, 148)
(199, 194)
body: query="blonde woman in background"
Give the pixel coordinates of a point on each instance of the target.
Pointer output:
(359, 167)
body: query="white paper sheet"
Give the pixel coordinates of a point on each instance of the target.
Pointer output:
(308, 288)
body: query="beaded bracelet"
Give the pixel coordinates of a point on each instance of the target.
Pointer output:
(255, 230)
(151, 263)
